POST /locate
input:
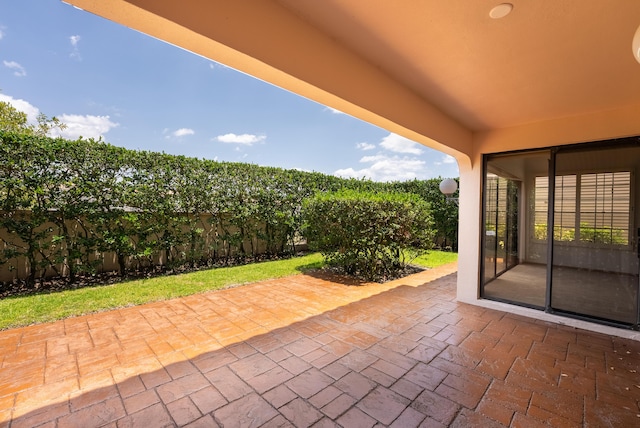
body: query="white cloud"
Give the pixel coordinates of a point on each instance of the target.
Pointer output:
(23, 106)
(334, 111)
(178, 133)
(387, 168)
(375, 158)
(390, 167)
(447, 159)
(75, 52)
(213, 65)
(86, 126)
(182, 132)
(18, 70)
(365, 146)
(245, 139)
(1, 33)
(398, 144)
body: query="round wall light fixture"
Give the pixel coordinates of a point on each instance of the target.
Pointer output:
(448, 186)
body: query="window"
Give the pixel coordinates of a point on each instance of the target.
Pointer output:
(604, 208)
(564, 221)
(589, 207)
(540, 203)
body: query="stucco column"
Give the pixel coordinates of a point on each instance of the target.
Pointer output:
(469, 231)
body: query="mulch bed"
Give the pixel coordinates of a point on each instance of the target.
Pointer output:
(337, 274)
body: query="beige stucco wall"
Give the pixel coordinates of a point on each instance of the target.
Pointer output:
(596, 126)
(469, 232)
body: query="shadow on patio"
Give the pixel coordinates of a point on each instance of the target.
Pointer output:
(304, 351)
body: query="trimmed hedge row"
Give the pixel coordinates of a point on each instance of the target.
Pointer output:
(67, 205)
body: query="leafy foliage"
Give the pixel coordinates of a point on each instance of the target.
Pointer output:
(605, 235)
(368, 234)
(69, 208)
(13, 120)
(444, 213)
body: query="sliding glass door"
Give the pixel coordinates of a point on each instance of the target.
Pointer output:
(561, 230)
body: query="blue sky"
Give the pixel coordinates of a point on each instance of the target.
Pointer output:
(105, 80)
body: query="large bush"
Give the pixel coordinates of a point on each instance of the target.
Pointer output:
(369, 235)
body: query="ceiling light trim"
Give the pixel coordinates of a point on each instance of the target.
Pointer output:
(501, 10)
(635, 45)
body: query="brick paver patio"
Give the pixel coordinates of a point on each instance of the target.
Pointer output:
(304, 351)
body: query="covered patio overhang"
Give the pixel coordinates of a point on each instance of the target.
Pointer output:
(451, 75)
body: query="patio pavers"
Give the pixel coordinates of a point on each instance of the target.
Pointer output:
(306, 351)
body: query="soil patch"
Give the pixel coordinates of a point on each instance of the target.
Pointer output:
(337, 274)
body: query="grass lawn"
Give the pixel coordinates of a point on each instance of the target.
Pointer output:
(26, 310)
(436, 258)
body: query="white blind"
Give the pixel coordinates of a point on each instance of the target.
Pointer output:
(589, 207)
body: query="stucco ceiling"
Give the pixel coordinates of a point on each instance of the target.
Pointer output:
(438, 71)
(547, 59)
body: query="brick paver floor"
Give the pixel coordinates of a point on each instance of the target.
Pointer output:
(304, 351)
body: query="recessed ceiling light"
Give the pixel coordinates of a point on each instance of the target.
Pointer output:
(501, 10)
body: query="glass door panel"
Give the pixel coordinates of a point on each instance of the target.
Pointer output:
(511, 274)
(595, 264)
(490, 226)
(499, 224)
(503, 207)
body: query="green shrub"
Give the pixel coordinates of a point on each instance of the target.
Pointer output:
(599, 235)
(369, 235)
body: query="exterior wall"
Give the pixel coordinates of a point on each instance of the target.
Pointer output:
(469, 232)
(578, 129)
(570, 130)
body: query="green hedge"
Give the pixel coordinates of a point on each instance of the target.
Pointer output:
(372, 235)
(444, 213)
(66, 205)
(601, 235)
